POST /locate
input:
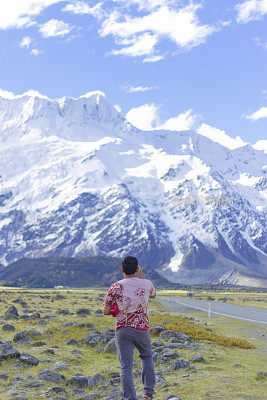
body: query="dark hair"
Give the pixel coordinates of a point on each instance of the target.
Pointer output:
(129, 265)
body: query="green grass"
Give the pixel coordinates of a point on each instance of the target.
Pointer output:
(224, 343)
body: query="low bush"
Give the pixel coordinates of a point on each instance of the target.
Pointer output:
(198, 332)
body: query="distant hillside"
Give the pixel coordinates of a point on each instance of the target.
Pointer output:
(70, 272)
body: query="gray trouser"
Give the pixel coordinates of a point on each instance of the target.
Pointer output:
(126, 339)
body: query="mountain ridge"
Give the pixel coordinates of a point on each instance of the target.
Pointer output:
(81, 181)
(70, 272)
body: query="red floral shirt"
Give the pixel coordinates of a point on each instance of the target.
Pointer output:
(131, 295)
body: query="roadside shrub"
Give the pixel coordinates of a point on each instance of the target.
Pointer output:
(198, 332)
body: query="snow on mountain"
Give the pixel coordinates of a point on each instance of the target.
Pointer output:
(219, 136)
(77, 179)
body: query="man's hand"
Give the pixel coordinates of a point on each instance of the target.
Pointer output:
(105, 310)
(140, 272)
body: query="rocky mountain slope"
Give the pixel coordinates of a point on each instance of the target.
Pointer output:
(47, 272)
(77, 180)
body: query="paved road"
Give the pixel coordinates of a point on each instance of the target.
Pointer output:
(249, 314)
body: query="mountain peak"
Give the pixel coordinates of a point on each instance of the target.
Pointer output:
(84, 118)
(78, 180)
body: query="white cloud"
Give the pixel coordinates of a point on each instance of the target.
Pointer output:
(261, 113)
(54, 27)
(179, 25)
(81, 7)
(153, 59)
(140, 46)
(19, 13)
(250, 10)
(259, 42)
(146, 118)
(219, 136)
(10, 95)
(34, 93)
(143, 117)
(36, 52)
(183, 122)
(148, 5)
(25, 42)
(93, 93)
(136, 89)
(261, 145)
(6, 94)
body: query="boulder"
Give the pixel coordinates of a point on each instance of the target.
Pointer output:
(72, 342)
(34, 385)
(180, 337)
(78, 380)
(108, 333)
(156, 329)
(183, 338)
(8, 352)
(12, 310)
(169, 353)
(28, 359)
(158, 349)
(49, 351)
(159, 358)
(39, 343)
(12, 313)
(21, 337)
(158, 343)
(160, 380)
(56, 389)
(83, 312)
(110, 347)
(59, 366)
(96, 380)
(51, 376)
(21, 302)
(32, 333)
(198, 359)
(64, 312)
(179, 364)
(35, 315)
(93, 340)
(8, 327)
(177, 345)
(113, 375)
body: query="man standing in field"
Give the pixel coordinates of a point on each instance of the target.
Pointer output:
(131, 296)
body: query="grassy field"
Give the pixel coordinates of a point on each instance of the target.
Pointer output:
(242, 299)
(233, 357)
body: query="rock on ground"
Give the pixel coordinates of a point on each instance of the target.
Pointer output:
(51, 376)
(8, 352)
(28, 359)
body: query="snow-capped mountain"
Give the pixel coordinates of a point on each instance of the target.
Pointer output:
(76, 179)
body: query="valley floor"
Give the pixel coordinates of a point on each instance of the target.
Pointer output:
(67, 335)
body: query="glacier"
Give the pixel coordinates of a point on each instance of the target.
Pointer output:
(77, 179)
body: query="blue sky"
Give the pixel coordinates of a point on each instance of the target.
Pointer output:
(171, 64)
